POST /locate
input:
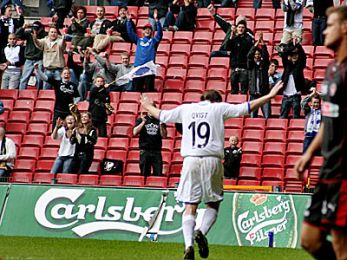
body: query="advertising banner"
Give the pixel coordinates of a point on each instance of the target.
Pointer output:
(144, 214)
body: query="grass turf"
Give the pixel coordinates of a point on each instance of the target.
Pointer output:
(60, 248)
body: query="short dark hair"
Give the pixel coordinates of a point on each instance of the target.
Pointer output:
(212, 95)
(274, 61)
(80, 8)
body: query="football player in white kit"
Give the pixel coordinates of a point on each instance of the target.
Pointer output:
(203, 150)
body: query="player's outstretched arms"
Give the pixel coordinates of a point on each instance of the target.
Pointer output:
(306, 158)
(255, 104)
(147, 104)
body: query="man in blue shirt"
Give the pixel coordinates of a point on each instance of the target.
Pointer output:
(146, 48)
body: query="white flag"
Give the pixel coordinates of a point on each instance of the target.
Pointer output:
(149, 68)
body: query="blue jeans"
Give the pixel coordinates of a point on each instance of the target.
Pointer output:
(52, 74)
(62, 164)
(4, 174)
(227, 3)
(27, 71)
(257, 3)
(287, 103)
(119, 2)
(318, 26)
(84, 85)
(154, 24)
(266, 108)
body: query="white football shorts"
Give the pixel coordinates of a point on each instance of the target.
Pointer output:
(201, 180)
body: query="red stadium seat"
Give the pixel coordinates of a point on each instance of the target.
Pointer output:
(175, 170)
(219, 85)
(180, 49)
(198, 61)
(41, 117)
(28, 153)
(291, 160)
(44, 105)
(294, 149)
(118, 143)
(16, 138)
(88, 179)
(276, 124)
(110, 180)
(253, 135)
(265, 14)
(195, 85)
(196, 73)
(227, 13)
(46, 95)
(43, 177)
(19, 116)
(254, 123)
(44, 165)
(250, 160)
(273, 161)
(200, 49)
(273, 174)
(252, 147)
(50, 153)
(163, 49)
(116, 155)
(183, 37)
(248, 12)
(15, 128)
(126, 120)
(24, 165)
(11, 94)
(317, 162)
(132, 169)
(134, 181)
(23, 177)
(173, 85)
(275, 136)
(122, 131)
(128, 108)
(203, 37)
(133, 156)
(236, 99)
(33, 140)
(169, 98)
(130, 97)
(250, 173)
(37, 129)
(248, 182)
(190, 97)
(274, 148)
(173, 182)
(219, 62)
(24, 105)
(176, 73)
(156, 181)
(67, 178)
(295, 136)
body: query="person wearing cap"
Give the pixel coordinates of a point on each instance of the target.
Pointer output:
(14, 55)
(146, 48)
(227, 27)
(32, 54)
(239, 46)
(186, 18)
(8, 25)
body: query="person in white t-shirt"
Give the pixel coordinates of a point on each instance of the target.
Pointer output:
(63, 130)
(203, 150)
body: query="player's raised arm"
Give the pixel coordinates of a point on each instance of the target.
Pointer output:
(255, 104)
(147, 104)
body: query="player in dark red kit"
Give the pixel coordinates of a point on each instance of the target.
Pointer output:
(327, 212)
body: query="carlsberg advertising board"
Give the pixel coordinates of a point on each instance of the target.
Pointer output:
(143, 214)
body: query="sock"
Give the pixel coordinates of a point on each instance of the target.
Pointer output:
(188, 225)
(325, 252)
(208, 220)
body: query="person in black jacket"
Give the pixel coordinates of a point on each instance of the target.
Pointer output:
(65, 92)
(98, 100)
(258, 65)
(186, 19)
(161, 7)
(32, 54)
(8, 25)
(294, 63)
(85, 137)
(239, 46)
(232, 159)
(78, 27)
(61, 9)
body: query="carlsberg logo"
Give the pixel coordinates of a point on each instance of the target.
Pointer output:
(264, 213)
(51, 213)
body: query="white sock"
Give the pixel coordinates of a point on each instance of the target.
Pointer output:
(208, 220)
(188, 225)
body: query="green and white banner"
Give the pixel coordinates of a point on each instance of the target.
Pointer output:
(127, 214)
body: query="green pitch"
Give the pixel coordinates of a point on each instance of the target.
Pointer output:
(58, 248)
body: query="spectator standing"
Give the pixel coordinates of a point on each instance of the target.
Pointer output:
(275, 4)
(294, 63)
(228, 28)
(8, 25)
(65, 92)
(146, 48)
(319, 22)
(232, 159)
(32, 54)
(63, 130)
(293, 20)
(85, 138)
(239, 46)
(14, 55)
(159, 6)
(313, 117)
(274, 75)
(53, 47)
(7, 155)
(258, 66)
(98, 101)
(60, 10)
(186, 18)
(78, 28)
(151, 132)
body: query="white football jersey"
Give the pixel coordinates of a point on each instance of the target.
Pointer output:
(203, 125)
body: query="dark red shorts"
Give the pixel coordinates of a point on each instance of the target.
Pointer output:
(328, 206)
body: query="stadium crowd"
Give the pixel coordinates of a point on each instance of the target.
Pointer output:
(73, 56)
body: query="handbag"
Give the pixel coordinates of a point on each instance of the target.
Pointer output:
(109, 166)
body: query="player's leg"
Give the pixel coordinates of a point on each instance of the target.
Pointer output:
(339, 244)
(314, 241)
(188, 226)
(210, 217)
